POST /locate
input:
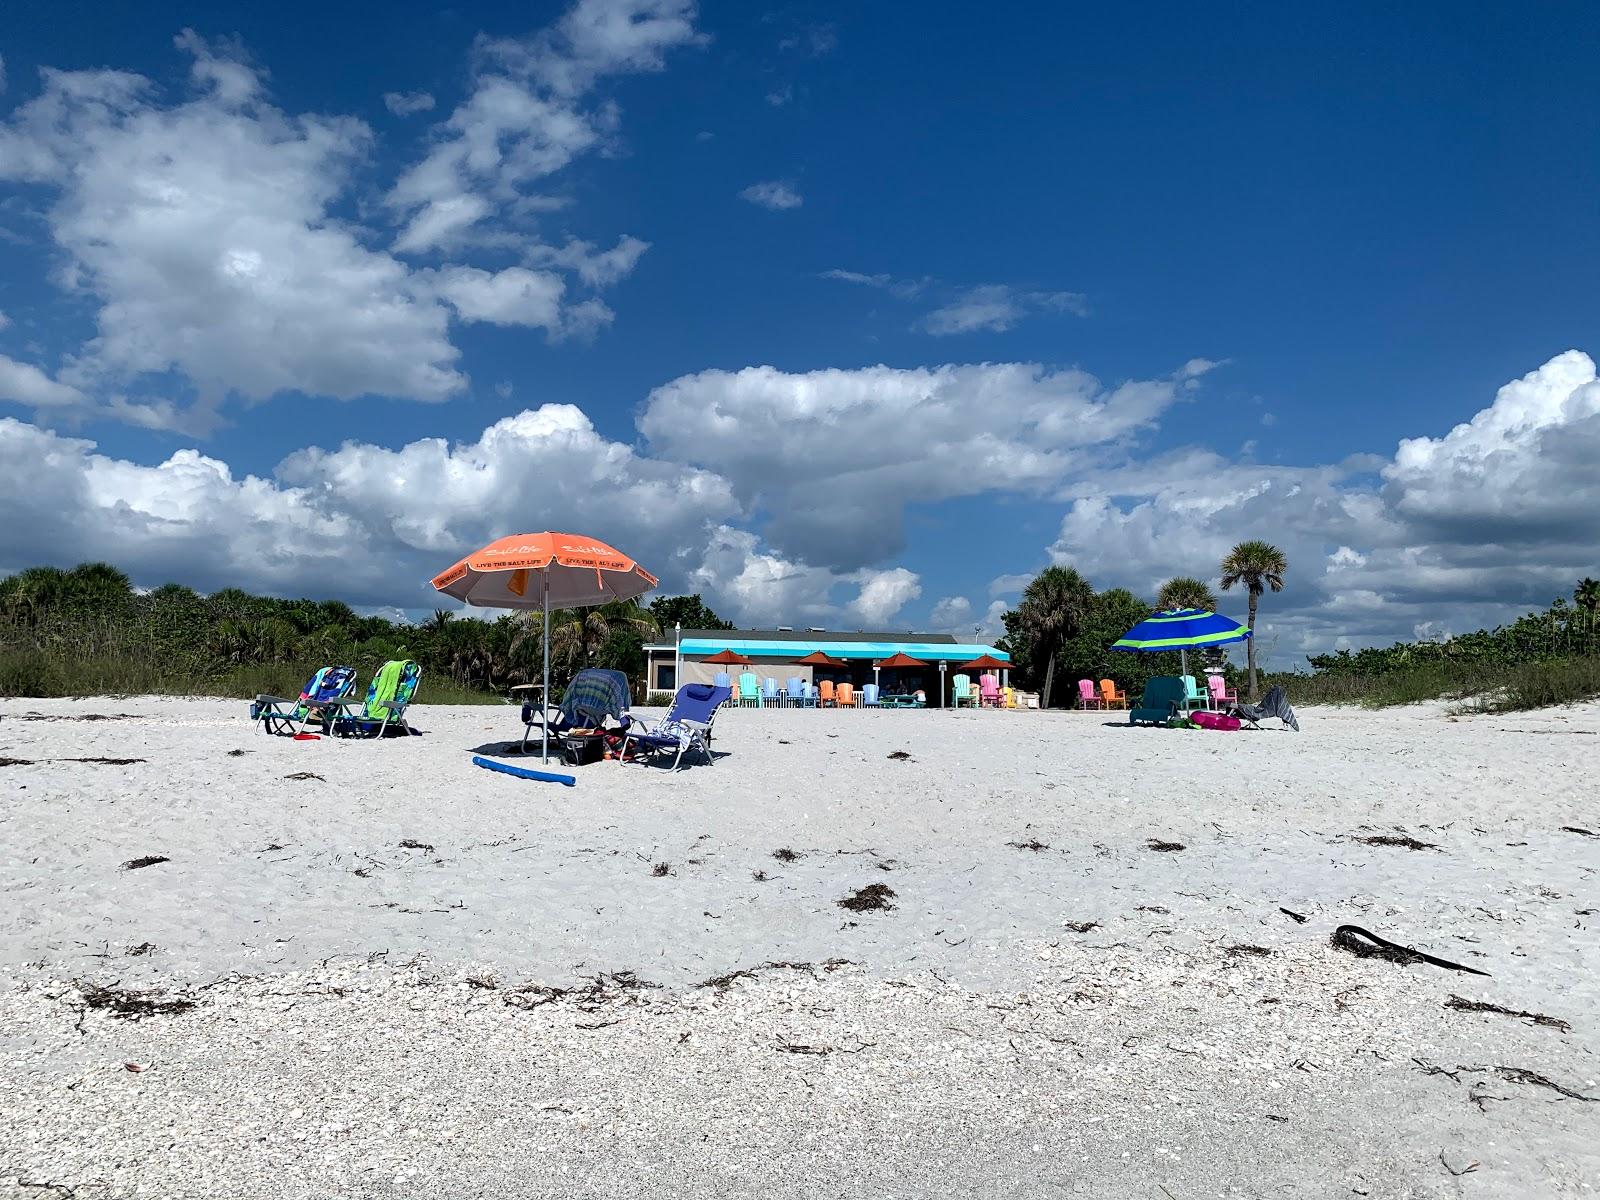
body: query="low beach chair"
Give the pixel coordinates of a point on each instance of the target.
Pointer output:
(1163, 699)
(1112, 697)
(388, 696)
(687, 726)
(594, 694)
(989, 691)
(825, 694)
(1195, 697)
(327, 687)
(1222, 696)
(749, 690)
(844, 695)
(1088, 697)
(1274, 704)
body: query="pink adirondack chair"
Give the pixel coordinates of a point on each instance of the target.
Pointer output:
(1220, 695)
(1088, 697)
(989, 691)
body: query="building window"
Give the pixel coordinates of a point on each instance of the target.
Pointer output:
(666, 677)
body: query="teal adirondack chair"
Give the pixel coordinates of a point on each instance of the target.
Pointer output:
(749, 689)
(1163, 699)
(961, 691)
(1194, 696)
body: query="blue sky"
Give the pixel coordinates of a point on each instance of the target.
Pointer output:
(861, 311)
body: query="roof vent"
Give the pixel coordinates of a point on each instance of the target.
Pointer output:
(785, 628)
(816, 629)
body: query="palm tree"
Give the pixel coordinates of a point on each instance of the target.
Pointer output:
(436, 623)
(1052, 612)
(1587, 597)
(1185, 591)
(1259, 566)
(576, 634)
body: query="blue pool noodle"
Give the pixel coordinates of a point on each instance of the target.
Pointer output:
(523, 772)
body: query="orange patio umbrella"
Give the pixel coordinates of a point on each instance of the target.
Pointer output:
(898, 659)
(544, 571)
(985, 662)
(728, 658)
(818, 659)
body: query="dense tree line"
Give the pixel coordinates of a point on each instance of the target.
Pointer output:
(1063, 629)
(1564, 630)
(88, 630)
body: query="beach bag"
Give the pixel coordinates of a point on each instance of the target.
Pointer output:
(581, 748)
(1217, 721)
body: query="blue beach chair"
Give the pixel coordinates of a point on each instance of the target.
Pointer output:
(323, 690)
(687, 725)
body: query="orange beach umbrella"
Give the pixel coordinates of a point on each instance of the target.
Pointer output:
(818, 659)
(727, 658)
(544, 571)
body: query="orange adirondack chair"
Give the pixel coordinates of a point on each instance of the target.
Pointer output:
(1110, 696)
(845, 695)
(825, 693)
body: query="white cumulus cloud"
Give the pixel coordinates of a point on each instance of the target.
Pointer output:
(773, 194)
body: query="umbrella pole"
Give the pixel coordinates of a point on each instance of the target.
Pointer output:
(544, 752)
(1183, 661)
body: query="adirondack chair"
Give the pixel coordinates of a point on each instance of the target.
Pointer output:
(962, 692)
(1112, 697)
(1088, 697)
(825, 694)
(749, 690)
(845, 695)
(989, 690)
(1194, 696)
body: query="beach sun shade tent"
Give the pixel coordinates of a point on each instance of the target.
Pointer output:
(1181, 629)
(545, 571)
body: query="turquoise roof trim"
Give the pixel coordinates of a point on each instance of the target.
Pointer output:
(928, 651)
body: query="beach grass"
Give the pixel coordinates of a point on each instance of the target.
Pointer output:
(54, 673)
(1476, 687)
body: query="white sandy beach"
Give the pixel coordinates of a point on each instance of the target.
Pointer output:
(363, 1022)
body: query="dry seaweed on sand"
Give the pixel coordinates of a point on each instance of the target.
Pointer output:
(1030, 844)
(787, 855)
(609, 987)
(661, 870)
(130, 1005)
(1577, 829)
(16, 762)
(149, 860)
(413, 844)
(237, 753)
(1298, 918)
(1462, 1004)
(1364, 943)
(1395, 839)
(1534, 1079)
(140, 950)
(1246, 951)
(1162, 847)
(899, 755)
(1080, 926)
(874, 897)
(108, 762)
(306, 775)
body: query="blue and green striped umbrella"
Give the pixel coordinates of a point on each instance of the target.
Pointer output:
(1181, 629)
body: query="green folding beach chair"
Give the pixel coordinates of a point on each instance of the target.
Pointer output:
(1163, 699)
(390, 692)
